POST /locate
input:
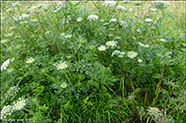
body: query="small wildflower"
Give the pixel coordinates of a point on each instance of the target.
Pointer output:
(132, 54)
(153, 9)
(154, 111)
(4, 41)
(68, 36)
(12, 91)
(161, 4)
(30, 60)
(79, 19)
(138, 30)
(61, 65)
(102, 48)
(44, 6)
(112, 44)
(123, 23)
(24, 16)
(7, 110)
(63, 85)
(12, 27)
(109, 3)
(5, 64)
(140, 60)
(144, 45)
(163, 40)
(105, 24)
(62, 34)
(19, 104)
(148, 20)
(121, 54)
(130, 97)
(171, 83)
(92, 17)
(120, 7)
(113, 20)
(130, 9)
(115, 52)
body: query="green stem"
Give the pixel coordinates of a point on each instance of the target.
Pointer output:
(69, 80)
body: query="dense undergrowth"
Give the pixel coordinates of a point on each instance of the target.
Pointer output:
(65, 63)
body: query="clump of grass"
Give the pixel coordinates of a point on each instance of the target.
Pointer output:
(114, 62)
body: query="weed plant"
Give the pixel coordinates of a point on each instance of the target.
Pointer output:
(63, 62)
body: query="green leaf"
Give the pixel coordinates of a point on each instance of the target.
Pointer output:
(156, 75)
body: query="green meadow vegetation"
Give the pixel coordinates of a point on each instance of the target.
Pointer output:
(93, 62)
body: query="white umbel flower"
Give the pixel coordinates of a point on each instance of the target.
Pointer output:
(161, 4)
(63, 85)
(153, 9)
(112, 44)
(116, 52)
(7, 110)
(61, 65)
(120, 7)
(5, 64)
(102, 48)
(30, 60)
(109, 3)
(12, 91)
(92, 17)
(132, 54)
(140, 60)
(148, 20)
(123, 23)
(79, 19)
(19, 104)
(143, 45)
(153, 111)
(24, 16)
(113, 20)
(121, 54)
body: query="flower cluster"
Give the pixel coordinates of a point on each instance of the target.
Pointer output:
(153, 111)
(24, 16)
(102, 48)
(148, 20)
(63, 85)
(143, 45)
(132, 54)
(120, 7)
(61, 65)
(161, 4)
(19, 104)
(109, 3)
(12, 91)
(7, 110)
(30, 60)
(79, 19)
(5, 64)
(113, 20)
(116, 52)
(112, 44)
(92, 17)
(123, 23)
